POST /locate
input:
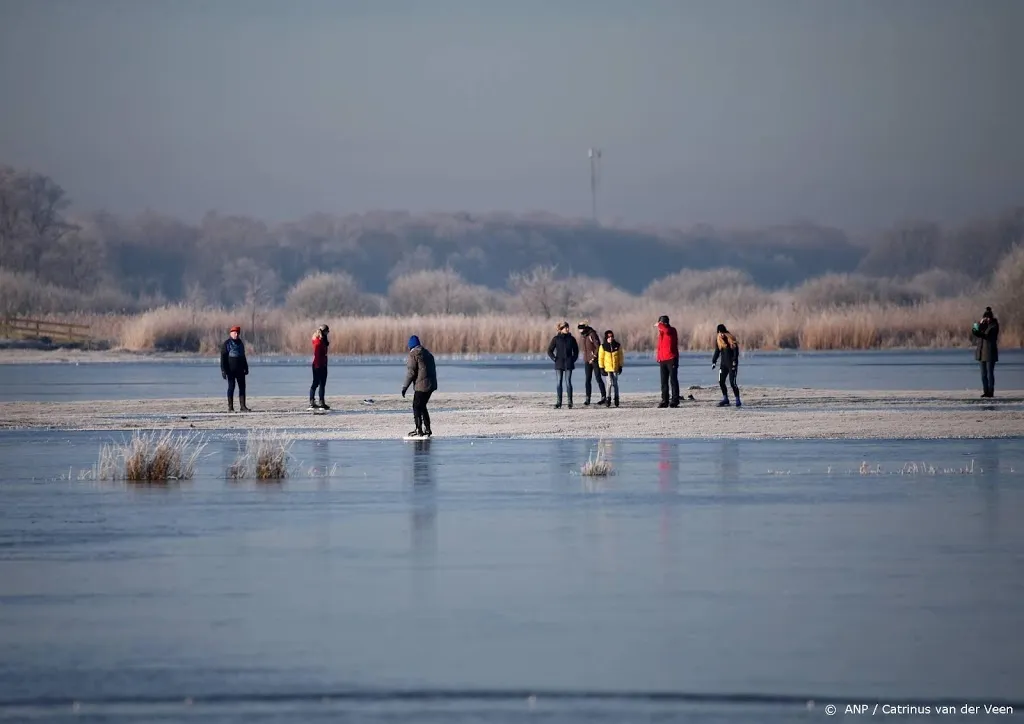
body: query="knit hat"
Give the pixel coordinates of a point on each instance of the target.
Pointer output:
(414, 342)
(236, 328)
(988, 313)
(663, 319)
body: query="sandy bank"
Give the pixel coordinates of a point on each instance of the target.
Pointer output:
(767, 413)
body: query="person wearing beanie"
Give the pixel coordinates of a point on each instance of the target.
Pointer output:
(668, 361)
(611, 358)
(320, 345)
(728, 348)
(590, 348)
(421, 372)
(986, 351)
(564, 352)
(234, 367)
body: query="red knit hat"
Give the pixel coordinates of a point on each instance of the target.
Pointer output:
(236, 328)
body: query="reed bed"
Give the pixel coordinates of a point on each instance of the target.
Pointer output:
(151, 457)
(266, 456)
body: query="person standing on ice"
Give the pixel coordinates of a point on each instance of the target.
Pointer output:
(611, 358)
(564, 352)
(421, 372)
(590, 346)
(728, 349)
(986, 351)
(234, 367)
(320, 345)
(668, 360)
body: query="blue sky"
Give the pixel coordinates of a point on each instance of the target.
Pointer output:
(731, 112)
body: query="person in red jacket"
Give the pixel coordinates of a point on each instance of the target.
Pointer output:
(668, 361)
(320, 345)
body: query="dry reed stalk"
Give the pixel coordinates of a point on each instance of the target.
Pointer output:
(266, 456)
(151, 457)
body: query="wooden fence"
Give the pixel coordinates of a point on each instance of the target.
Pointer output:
(24, 328)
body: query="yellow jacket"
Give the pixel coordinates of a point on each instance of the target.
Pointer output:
(611, 357)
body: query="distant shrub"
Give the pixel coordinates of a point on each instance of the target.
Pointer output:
(322, 295)
(942, 284)
(693, 285)
(844, 290)
(438, 291)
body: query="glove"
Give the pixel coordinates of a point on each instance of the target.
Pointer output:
(712, 365)
(224, 375)
(403, 391)
(618, 371)
(604, 373)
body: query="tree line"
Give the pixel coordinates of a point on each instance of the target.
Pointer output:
(455, 261)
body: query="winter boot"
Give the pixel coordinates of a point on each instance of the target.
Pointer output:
(738, 403)
(324, 405)
(241, 404)
(724, 402)
(231, 404)
(313, 405)
(587, 402)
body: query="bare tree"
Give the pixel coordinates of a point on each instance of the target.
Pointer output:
(256, 285)
(536, 289)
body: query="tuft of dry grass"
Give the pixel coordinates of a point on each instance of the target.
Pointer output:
(596, 466)
(266, 456)
(151, 457)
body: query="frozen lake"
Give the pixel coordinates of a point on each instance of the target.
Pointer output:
(197, 377)
(448, 580)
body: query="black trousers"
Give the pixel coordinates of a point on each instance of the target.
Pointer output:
(731, 374)
(319, 382)
(236, 375)
(563, 376)
(419, 410)
(988, 378)
(670, 375)
(592, 370)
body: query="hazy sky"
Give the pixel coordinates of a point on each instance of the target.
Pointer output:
(854, 112)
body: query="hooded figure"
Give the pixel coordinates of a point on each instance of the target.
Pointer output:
(591, 347)
(564, 352)
(668, 361)
(728, 349)
(421, 372)
(611, 358)
(234, 367)
(986, 350)
(320, 345)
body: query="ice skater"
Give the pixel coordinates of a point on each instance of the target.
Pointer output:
(234, 367)
(320, 345)
(610, 359)
(421, 372)
(564, 352)
(590, 346)
(986, 352)
(728, 349)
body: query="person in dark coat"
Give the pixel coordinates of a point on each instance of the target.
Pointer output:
(728, 349)
(591, 347)
(234, 367)
(421, 372)
(986, 351)
(564, 352)
(668, 360)
(320, 345)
